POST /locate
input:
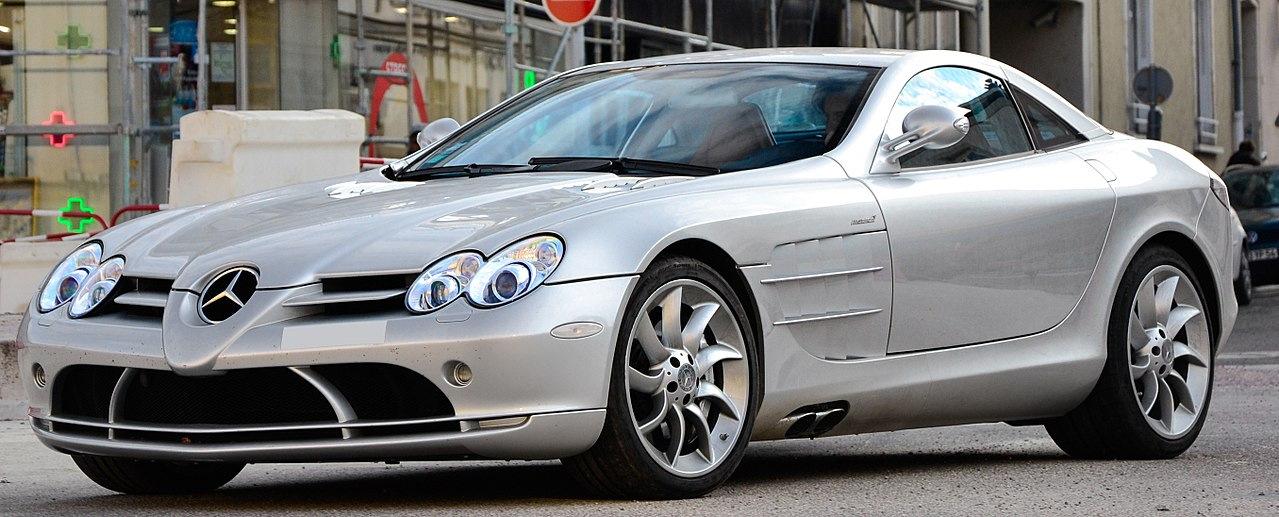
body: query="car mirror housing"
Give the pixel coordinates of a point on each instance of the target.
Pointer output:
(928, 127)
(436, 131)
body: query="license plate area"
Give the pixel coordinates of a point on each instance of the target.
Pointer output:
(1263, 254)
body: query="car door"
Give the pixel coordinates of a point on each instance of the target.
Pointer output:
(989, 238)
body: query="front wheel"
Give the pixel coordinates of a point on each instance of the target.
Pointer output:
(1243, 284)
(684, 391)
(1152, 397)
(156, 477)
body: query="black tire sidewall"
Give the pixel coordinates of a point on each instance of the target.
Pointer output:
(144, 477)
(1116, 380)
(1243, 285)
(661, 482)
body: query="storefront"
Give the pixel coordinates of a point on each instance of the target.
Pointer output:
(92, 91)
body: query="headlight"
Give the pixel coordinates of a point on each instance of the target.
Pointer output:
(1219, 189)
(515, 271)
(69, 276)
(443, 282)
(97, 287)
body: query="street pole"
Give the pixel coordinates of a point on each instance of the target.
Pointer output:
(509, 31)
(411, 88)
(688, 25)
(710, 25)
(362, 106)
(201, 64)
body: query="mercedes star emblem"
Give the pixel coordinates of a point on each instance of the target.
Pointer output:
(227, 294)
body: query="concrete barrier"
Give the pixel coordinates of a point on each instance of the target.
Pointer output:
(224, 154)
(23, 265)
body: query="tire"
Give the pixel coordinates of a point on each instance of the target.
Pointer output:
(708, 397)
(1152, 397)
(1243, 284)
(156, 477)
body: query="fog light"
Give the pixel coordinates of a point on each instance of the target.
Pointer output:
(458, 373)
(37, 376)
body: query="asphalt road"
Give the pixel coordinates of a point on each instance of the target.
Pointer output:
(989, 469)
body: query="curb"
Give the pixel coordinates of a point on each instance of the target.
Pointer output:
(1248, 358)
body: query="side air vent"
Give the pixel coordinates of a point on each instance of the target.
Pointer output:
(142, 297)
(358, 294)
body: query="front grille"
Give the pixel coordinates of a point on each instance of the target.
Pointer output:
(386, 392)
(350, 284)
(84, 391)
(238, 397)
(258, 404)
(138, 297)
(377, 294)
(1266, 237)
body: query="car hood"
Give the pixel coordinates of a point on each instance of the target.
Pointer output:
(360, 225)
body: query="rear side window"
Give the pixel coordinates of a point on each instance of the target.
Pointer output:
(1048, 129)
(997, 128)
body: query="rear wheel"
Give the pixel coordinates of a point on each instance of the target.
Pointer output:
(156, 477)
(685, 387)
(1153, 394)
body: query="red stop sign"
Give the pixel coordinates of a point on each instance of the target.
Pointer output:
(571, 13)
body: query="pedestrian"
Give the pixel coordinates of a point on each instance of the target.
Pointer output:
(1244, 156)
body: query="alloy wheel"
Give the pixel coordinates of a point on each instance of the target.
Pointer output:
(687, 378)
(1170, 352)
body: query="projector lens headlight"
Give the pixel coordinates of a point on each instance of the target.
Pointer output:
(69, 276)
(442, 282)
(97, 287)
(515, 271)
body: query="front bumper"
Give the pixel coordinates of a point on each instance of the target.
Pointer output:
(532, 395)
(542, 436)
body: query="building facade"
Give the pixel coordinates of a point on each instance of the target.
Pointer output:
(91, 91)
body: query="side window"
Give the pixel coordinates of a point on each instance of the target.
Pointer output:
(1048, 129)
(996, 127)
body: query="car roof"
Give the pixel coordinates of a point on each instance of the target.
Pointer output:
(878, 58)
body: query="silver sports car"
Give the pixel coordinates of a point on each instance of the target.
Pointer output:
(640, 267)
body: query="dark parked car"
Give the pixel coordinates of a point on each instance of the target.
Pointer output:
(1254, 193)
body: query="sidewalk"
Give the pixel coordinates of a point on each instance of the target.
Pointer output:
(13, 400)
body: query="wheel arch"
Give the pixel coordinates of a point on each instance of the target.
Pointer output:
(724, 264)
(1186, 247)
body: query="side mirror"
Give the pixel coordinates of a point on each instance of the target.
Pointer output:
(928, 127)
(436, 130)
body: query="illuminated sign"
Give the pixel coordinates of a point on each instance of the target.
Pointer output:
(76, 224)
(58, 118)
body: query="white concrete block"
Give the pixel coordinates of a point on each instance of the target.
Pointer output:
(224, 154)
(23, 265)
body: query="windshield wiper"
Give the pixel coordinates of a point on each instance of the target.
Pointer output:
(557, 164)
(619, 165)
(473, 170)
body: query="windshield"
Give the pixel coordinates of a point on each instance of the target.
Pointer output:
(728, 116)
(1255, 188)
